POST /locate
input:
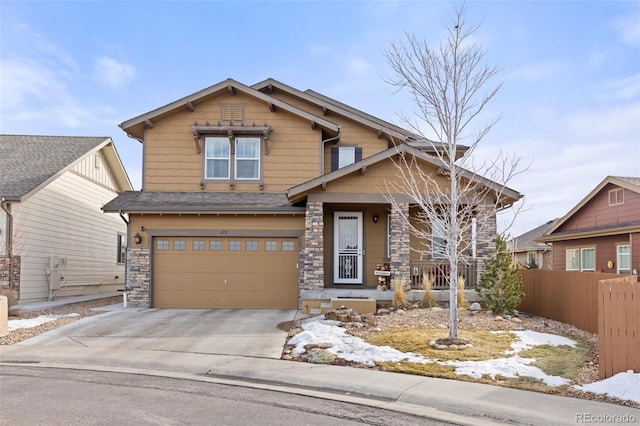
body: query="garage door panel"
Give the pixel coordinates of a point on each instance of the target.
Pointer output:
(225, 273)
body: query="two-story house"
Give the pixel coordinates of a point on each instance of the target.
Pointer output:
(269, 197)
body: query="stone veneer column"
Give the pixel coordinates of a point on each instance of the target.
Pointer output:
(313, 274)
(6, 269)
(138, 285)
(399, 243)
(485, 236)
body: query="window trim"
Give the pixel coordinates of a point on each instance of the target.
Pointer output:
(617, 195)
(232, 159)
(627, 254)
(206, 158)
(580, 251)
(121, 253)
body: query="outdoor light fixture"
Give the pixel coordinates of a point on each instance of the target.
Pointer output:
(137, 238)
(375, 218)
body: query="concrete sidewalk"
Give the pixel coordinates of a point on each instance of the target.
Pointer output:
(450, 400)
(120, 341)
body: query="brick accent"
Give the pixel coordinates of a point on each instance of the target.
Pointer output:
(485, 237)
(138, 283)
(313, 269)
(5, 273)
(399, 243)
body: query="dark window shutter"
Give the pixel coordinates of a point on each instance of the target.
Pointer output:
(335, 154)
(358, 154)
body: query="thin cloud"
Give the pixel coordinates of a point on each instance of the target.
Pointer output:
(628, 29)
(539, 71)
(112, 73)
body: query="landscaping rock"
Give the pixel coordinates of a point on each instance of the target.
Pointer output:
(320, 356)
(343, 314)
(514, 319)
(441, 326)
(475, 306)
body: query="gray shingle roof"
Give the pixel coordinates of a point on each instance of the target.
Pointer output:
(27, 161)
(145, 201)
(526, 241)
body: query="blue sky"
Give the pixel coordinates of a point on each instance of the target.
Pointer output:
(569, 105)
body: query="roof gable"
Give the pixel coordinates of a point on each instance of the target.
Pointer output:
(135, 126)
(527, 241)
(30, 162)
(630, 183)
(298, 192)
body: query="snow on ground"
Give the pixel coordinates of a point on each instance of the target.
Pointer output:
(622, 385)
(317, 330)
(34, 322)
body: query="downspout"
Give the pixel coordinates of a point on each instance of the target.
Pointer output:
(6, 206)
(126, 262)
(322, 145)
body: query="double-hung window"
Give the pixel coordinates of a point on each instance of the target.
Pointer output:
(247, 161)
(581, 259)
(222, 162)
(217, 158)
(624, 259)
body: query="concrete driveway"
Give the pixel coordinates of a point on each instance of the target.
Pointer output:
(242, 332)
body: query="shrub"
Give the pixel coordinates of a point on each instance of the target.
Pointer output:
(501, 282)
(399, 296)
(427, 300)
(462, 303)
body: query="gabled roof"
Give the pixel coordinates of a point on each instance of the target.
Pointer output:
(135, 126)
(201, 202)
(630, 183)
(527, 242)
(330, 105)
(29, 162)
(297, 192)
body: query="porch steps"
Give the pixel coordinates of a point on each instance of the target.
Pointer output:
(321, 306)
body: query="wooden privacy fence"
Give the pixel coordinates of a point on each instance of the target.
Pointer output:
(606, 304)
(565, 296)
(619, 325)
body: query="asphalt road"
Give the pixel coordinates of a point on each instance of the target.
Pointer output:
(57, 396)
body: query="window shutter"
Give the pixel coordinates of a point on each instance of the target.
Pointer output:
(335, 154)
(358, 154)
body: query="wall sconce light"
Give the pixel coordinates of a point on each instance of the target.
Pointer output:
(375, 218)
(137, 238)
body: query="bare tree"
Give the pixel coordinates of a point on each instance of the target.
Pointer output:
(447, 85)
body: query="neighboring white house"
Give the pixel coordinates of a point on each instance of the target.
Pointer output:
(55, 241)
(530, 254)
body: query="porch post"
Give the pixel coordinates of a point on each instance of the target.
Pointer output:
(399, 242)
(313, 273)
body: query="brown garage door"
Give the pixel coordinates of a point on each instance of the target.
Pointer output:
(236, 273)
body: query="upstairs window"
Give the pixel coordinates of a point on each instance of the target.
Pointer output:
(616, 196)
(221, 162)
(217, 158)
(247, 158)
(342, 156)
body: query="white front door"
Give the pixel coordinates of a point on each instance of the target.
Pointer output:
(348, 250)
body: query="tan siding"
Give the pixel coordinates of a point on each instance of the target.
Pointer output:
(372, 182)
(172, 163)
(64, 219)
(213, 222)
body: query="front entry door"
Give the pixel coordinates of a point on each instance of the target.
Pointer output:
(348, 250)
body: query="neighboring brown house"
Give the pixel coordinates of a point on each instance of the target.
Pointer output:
(529, 253)
(602, 232)
(269, 197)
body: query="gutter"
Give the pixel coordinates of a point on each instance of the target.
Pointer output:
(322, 145)
(6, 206)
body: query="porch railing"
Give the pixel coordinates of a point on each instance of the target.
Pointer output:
(440, 272)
